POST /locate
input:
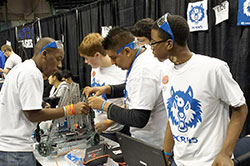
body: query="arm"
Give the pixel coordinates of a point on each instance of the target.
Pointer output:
(168, 141)
(112, 91)
(6, 71)
(53, 113)
(103, 125)
(130, 117)
(237, 120)
(117, 91)
(97, 90)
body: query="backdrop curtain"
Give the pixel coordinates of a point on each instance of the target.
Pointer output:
(225, 41)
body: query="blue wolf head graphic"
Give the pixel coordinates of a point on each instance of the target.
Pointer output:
(94, 83)
(183, 110)
(197, 13)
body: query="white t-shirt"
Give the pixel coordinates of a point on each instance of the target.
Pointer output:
(63, 92)
(22, 90)
(144, 92)
(12, 61)
(60, 90)
(197, 95)
(108, 76)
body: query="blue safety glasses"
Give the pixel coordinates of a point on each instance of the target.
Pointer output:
(132, 45)
(55, 44)
(164, 25)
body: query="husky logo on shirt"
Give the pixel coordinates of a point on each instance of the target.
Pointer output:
(184, 111)
(94, 83)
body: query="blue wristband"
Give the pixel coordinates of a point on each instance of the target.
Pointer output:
(168, 154)
(103, 104)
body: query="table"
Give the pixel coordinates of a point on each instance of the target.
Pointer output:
(48, 161)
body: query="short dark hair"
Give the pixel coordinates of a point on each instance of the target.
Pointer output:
(66, 74)
(142, 28)
(179, 28)
(117, 38)
(58, 75)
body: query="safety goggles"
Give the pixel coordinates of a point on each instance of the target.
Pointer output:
(164, 25)
(132, 45)
(55, 44)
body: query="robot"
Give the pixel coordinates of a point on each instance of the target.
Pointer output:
(68, 133)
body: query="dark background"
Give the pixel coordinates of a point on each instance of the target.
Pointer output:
(226, 41)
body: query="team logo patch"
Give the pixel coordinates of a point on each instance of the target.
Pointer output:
(183, 110)
(165, 79)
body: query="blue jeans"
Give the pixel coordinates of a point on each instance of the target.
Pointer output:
(17, 159)
(172, 161)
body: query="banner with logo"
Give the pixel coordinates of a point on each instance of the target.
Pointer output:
(25, 35)
(243, 13)
(197, 16)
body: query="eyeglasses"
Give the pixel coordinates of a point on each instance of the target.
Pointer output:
(164, 25)
(54, 44)
(156, 42)
(132, 45)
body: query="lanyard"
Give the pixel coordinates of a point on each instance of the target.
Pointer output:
(128, 72)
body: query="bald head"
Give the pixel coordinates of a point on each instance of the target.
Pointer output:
(50, 59)
(41, 43)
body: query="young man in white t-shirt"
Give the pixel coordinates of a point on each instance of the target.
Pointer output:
(103, 73)
(142, 30)
(21, 103)
(12, 59)
(144, 111)
(198, 91)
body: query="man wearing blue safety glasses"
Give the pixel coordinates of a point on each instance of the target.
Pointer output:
(21, 103)
(144, 110)
(198, 91)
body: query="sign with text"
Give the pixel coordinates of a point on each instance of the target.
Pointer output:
(221, 12)
(25, 35)
(197, 16)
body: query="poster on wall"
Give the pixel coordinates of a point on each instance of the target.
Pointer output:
(221, 12)
(197, 16)
(25, 35)
(244, 13)
(105, 30)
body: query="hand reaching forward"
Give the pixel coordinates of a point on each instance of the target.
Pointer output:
(101, 126)
(81, 108)
(96, 90)
(95, 102)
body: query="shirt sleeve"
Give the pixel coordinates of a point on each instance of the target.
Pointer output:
(130, 117)
(117, 91)
(227, 89)
(9, 63)
(30, 92)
